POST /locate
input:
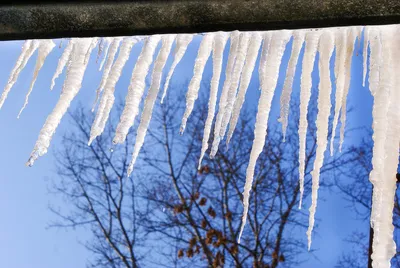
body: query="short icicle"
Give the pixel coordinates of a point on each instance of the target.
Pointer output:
(108, 41)
(194, 85)
(136, 89)
(27, 51)
(326, 47)
(248, 68)
(45, 47)
(310, 51)
(62, 62)
(151, 97)
(298, 40)
(219, 44)
(72, 85)
(107, 99)
(107, 67)
(270, 78)
(182, 42)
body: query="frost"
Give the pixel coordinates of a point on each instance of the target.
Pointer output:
(62, 62)
(273, 61)
(45, 47)
(136, 89)
(109, 63)
(326, 47)
(107, 99)
(310, 50)
(182, 42)
(251, 57)
(159, 64)
(194, 85)
(220, 40)
(28, 49)
(72, 85)
(298, 40)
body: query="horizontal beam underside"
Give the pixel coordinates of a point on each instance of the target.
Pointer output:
(113, 18)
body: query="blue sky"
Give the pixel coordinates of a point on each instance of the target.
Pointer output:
(25, 241)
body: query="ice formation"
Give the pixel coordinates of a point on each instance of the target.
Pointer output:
(182, 42)
(382, 43)
(270, 78)
(310, 50)
(220, 40)
(234, 39)
(159, 64)
(136, 89)
(194, 85)
(72, 85)
(326, 46)
(45, 47)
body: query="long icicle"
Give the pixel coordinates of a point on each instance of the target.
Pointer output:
(62, 62)
(95, 40)
(73, 83)
(136, 89)
(341, 39)
(264, 55)
(298, 40)
(219, 44)
(251, 57)
(237, 73)
(107, 99)
(182, 42)
(27, 50)
(278, 44)
(45, 47)
(349, 56)
(107, 67)
(151, 97)
(108, 41)
(326, 47)
(385, 155)
(310, 51)
(194, 85)
(365, 54)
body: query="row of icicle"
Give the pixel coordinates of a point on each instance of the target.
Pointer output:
(243, 53)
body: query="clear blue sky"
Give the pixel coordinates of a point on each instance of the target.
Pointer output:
(24, 240)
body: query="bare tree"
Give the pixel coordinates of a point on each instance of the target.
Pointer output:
(169, 213)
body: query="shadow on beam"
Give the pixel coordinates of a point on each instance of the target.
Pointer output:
(46, 19)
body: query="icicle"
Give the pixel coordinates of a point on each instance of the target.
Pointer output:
(322, 122)
(386, 126)
(278, 44)
(220, 40)
(159, 64)
(225, 89)
(107, 99)
(110, 60)
(72, 84)
(45, 47)
(264, 55)
(136, 89)
(251, 57)
(90, 49)
(108, 41)
(365, 54)
(100, 49)
(182, 42)
(347, 75)
(194, 86)
(310, 51)
(62, 62)
(341, 40)
(237, 71)
(28, 49)
(298, 40)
